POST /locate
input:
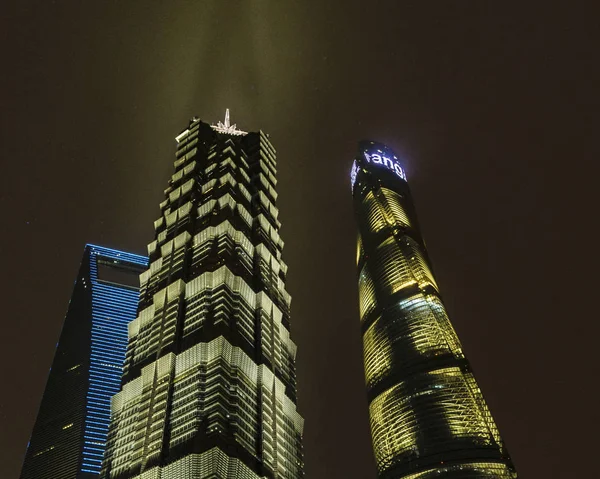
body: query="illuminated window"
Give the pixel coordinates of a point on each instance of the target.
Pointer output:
(391, 269)
(366, 293)
(374, 216)
(393, 203)
(359, 249)
(439, 407)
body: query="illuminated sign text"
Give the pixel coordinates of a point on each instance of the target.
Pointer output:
(389, 163)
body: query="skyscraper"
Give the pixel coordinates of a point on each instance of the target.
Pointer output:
(428, 416)
(209, 384)
(71, 428)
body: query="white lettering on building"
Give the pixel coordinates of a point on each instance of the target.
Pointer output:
(389, 163)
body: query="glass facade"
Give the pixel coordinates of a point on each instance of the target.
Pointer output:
(209, 383)
(71, 428)
(428, 416)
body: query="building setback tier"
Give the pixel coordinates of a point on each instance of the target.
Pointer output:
(209, 382)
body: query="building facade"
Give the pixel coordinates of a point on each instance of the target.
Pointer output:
(71, 428)
(209, 384)
(428, 416)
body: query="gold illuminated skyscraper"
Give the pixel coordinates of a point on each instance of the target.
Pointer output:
(428, 417)
(209, 382)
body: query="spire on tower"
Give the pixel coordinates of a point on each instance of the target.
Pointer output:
(227, 127)
(227, 118)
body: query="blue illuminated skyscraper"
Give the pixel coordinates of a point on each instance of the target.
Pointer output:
(70, 431)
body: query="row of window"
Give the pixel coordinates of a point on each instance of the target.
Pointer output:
(216, 387)
(430, 414)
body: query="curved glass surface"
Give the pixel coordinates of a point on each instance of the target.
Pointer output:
(428, 416)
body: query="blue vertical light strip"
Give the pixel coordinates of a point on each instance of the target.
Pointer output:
(113, 307)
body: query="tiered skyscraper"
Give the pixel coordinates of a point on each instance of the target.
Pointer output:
(428, 417)
(71, 428)
(209, 384)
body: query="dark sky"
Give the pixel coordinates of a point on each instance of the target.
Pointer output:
(493, 107)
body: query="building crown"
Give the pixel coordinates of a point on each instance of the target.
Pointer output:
(226, 127)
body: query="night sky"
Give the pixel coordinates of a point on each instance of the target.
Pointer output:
(493, 109)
